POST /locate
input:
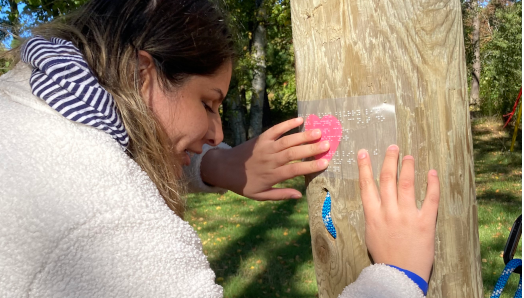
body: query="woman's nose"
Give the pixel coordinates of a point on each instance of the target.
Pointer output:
(215, 135)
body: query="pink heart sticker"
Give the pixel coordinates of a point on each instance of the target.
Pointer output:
(331, 131)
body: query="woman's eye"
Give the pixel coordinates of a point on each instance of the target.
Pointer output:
(208, 108)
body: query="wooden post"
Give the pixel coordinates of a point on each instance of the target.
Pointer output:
(413, 50)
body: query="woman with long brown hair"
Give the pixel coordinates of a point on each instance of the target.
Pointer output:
(100, 122)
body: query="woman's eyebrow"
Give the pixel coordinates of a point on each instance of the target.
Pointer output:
(221, 95)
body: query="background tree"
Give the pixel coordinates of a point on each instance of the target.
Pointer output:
(262, 92)
(280, 79)
(46, 10)
(475, 42)
(493, 39)
(471, 14)
(10, 20)
(501, 56)
(235, 114)
(259, 71)
(34, 11)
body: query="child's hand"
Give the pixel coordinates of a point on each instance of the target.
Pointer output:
(254, 167)
(397, 233)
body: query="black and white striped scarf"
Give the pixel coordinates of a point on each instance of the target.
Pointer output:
(62, 78)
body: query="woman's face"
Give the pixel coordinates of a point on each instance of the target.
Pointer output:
(189, 113)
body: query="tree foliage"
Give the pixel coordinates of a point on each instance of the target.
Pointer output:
(502, 60)
(42, 10)
(45, 10)
(500, 42)
(280, 71)
(500, 52)
(281, 63)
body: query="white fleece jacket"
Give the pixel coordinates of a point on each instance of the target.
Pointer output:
(79, 218)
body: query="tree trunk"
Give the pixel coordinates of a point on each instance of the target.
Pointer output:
(411, 51)
(475, 40)
(259, 76)
(266, 112)
(236, 116)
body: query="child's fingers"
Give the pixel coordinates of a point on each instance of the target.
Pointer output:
(406, 183)
(368, 189)
(296, 140)
(276, 131)
(388, 177)
(300, 152)
(430, 205)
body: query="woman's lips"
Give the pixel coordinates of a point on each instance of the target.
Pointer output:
(187, 156)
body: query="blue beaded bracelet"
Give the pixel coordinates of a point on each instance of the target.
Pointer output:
(421, 283)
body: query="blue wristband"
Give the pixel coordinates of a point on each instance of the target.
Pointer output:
(421, 283)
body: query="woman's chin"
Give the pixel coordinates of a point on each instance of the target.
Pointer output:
(186, 160)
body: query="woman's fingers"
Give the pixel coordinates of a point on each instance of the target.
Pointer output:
(368, 189)
(276, 131)
(300, 152)
(430, 205)
(406, 183)
(297, 139)
(388, 177)
(277, 194)
(301, 168)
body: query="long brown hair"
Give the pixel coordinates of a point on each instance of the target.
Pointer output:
(184, 37)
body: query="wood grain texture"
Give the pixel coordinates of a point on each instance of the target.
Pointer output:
(413, 49)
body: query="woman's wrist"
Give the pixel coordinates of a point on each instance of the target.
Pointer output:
(215, 168)
(209, 167)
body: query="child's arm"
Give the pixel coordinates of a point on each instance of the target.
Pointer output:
(383, 281)
(397, 232)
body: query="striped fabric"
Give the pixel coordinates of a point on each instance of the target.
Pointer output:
(62, 78)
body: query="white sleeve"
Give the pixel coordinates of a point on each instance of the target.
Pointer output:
(378, 281)
(118, 256)
(192, 172)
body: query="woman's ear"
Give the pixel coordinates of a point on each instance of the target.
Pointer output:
(147, 73)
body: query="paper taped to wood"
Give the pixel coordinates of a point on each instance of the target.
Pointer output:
(349, 124)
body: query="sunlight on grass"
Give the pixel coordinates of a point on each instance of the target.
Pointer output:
(499, 196)
(256, 248)
(263, 249)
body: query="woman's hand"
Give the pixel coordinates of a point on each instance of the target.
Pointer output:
(254, 167)
(397, 232)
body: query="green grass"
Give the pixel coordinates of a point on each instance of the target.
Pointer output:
(263, 249)
(499, 196)
(257, 249)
